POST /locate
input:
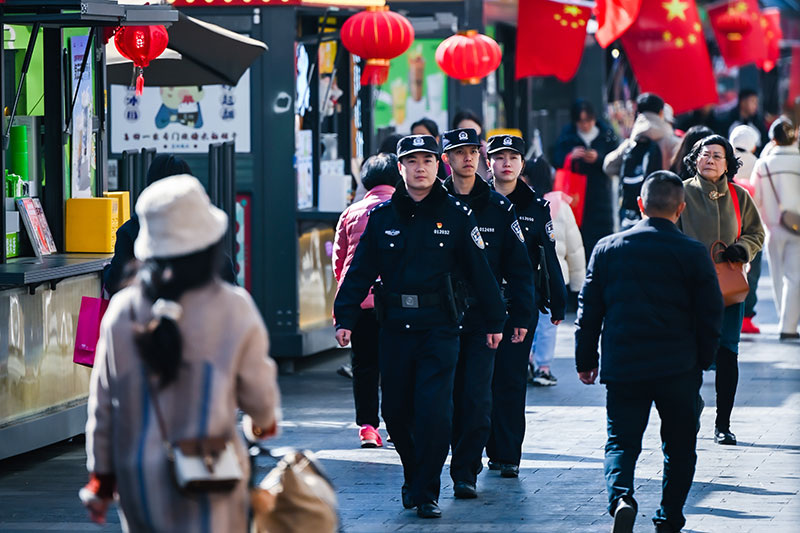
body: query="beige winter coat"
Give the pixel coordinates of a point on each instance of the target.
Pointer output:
(569, 244)
(225, 366)
(653, 127)
(783, 163)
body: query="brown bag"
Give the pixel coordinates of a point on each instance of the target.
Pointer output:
(295, 497)
(732, 277)
(790, 220)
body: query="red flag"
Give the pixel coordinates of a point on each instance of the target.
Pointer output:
(668, 54)
(794, 74)
(771, 23)
(737, 27)
(550, 37)
(613, 18)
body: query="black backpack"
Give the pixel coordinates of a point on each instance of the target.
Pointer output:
(640, 159)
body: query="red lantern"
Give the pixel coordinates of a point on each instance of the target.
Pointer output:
(734, 24)
(468, 56)
(141, 44)
(377, 35)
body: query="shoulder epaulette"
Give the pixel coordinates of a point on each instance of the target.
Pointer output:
(459, 206)
(380, 206)
(501, 201)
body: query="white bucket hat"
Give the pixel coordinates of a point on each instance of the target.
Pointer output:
(176, 218)
(745, 137)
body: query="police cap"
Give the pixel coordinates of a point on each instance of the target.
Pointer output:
(505, 142)
(417, 143)
(460, 137)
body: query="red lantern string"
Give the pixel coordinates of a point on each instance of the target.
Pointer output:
(377, 35)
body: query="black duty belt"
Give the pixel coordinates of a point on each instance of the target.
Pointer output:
(413, 301)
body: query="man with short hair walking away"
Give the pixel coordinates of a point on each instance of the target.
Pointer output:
(653, 294)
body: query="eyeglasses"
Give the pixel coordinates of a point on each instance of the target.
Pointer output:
(709, 155)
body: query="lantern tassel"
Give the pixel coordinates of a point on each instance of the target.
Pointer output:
(140, 82)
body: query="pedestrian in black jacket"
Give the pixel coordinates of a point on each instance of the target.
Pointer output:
(589, 140)
(508, 257)
(509, 384)
(653, 294)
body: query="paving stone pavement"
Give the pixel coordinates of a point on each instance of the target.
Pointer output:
(750, 487)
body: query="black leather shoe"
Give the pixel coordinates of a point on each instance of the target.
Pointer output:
(464, 490)
(494, 466)
(724, 437)
(408, 503)
(429, 510)
(624, 516)
(509, 470)
(664, 527)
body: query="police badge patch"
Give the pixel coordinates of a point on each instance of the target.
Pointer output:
(463, 136)
(392, 232)
(418, 141)
(476, 238)
(549, 229)
(507, 141)
(517, 231)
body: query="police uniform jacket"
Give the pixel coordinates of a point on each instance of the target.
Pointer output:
(505, 250)
(412, 246)
(537, 228)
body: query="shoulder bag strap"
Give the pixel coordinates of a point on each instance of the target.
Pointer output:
(772, 184)
(735, 200)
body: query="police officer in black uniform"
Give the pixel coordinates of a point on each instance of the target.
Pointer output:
(509, 385)
(419, 243)
(508, 258)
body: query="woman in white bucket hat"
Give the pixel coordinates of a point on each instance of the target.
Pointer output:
(182, 345)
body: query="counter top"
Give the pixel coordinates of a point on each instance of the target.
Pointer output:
(30, 270)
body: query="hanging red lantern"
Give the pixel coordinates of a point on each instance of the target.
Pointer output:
(734, 24)
(108, 33)
(468, 56)
(377, 35)
(141, 44)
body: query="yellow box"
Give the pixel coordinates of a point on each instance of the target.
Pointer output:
(92, 225)
(124, 203)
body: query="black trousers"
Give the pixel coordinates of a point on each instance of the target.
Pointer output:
(366, 373)
(417, 371)
(727, 379)
(509, 389)
(628, 409)
(472, 403)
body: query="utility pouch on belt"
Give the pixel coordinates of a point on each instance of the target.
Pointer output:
(449, 299)
(379, 295)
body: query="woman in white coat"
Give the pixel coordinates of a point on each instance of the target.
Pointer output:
(777, 188)
(571, 257)
(182, 347)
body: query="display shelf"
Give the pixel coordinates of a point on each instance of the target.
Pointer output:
(29, 270)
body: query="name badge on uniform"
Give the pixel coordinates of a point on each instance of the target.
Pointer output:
(476, 238)
(517, 231)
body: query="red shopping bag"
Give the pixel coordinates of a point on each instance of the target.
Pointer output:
(573, 185)
(89, 317)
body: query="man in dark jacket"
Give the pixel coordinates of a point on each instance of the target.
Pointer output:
(745, 112)
(508, 257)
(653, 294)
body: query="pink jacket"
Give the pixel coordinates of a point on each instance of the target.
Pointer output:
(351, 225)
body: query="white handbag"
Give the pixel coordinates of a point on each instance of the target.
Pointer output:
(207, 464)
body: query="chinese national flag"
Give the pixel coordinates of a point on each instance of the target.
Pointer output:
(737, 27)
(771, 23)
(613, 18)
(550, 37)
(668, 54)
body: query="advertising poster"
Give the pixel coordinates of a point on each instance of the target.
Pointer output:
(180, 119)
(416, 88)
(82, 138)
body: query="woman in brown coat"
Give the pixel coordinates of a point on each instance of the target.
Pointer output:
(182, 343)
(711, 216)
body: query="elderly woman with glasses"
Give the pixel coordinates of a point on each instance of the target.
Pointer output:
(710, 216)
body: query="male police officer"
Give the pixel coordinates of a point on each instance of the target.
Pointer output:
(419, 243)
(508, 257)
(511, 362)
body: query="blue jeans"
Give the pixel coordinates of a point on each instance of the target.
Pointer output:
(544, 341)
(628, 409)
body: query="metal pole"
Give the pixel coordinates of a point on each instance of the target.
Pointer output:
(26, 63)
(2, 150)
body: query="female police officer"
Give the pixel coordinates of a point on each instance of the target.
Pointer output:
(418, 243)
(511, 362)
